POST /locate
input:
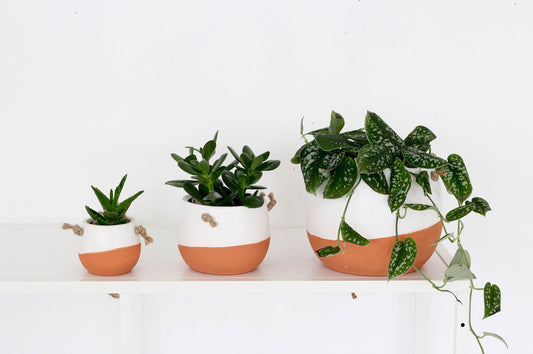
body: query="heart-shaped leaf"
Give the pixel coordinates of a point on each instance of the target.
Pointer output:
(422, 179)
(459, 212)
(402, 257)
(420, 138)
(458, 272)
(400, 183)
(352, 236)
(422, 159)
(312, 156)
(336, 123)
(481, 206)
(380, 134)
(372, 159)
(328, 251)
(456, 178)
(492, 298)
(461, 256)
(377, 181)
(342, 179)
(333, 142)
(331, 160)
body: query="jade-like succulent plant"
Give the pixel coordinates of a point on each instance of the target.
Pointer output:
(114, 213)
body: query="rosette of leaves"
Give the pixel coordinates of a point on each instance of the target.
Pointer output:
(114, 213)
(223, 185)
(333, 163)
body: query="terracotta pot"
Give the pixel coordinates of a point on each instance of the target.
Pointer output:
(109, 249)
(234, 242)
(369, 214)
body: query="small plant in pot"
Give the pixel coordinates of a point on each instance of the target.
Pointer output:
(109, 240)
(223, 226)
(372, 203)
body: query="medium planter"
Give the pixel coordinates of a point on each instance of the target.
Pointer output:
(109, 249)
(370, 215)
(223, 239)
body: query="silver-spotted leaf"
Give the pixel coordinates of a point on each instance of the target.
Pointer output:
(422, 179)
(402, 257)
(400, 183)
(342, 179)
(329, 142)
(377, 181)
(373, 158)
(336, 123)
(358, 136)
(312, 157)
(331, 160)
(328, 251)
(418, 207)
(352, 236)
(380, 134)
(456, 178)
(420, 138)
(421, 159)
(459, 212)
(492, 298)
(481, 206)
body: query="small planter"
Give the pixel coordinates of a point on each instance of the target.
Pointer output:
(223, 239)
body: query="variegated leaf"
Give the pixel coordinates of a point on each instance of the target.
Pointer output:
(422, 179)
(402, 257)
(481, 206)
(456, 178)
(420, 138)
(336, 123)
(377, 181)
(332, 142)
(380, 134)
(459, 212)
(399, 185)
(422, 159)
(492, 297)
(358, 136)
(372, 159)
(312, 157)
(352, 236)
(328, 251)
(342, 179)
(418, 207)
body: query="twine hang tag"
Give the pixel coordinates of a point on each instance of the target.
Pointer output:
(77, 229)
(141, 231)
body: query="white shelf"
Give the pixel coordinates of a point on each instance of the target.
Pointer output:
(43, 259)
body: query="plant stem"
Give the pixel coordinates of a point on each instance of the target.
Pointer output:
(470, 318)
(344, 212)
(443, 221)
(397, 218)
(435, 286)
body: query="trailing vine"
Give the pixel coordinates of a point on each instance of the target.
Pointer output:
(334, 163)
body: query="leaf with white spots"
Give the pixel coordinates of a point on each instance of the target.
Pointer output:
(331, 159)
(332, 142)
(459, 212)
(421, 159)
(336, 123)
(328, 251)
(402, 257)
(400, 183)
(358, 136)
(420, 138)
(492, 297)
(312, 157)
(342, 179)
(377, 181)
(456, 178)
(380, 134)
(372, 159)
(422, 179)
(418, 207)
(352, 236)
(481, 206)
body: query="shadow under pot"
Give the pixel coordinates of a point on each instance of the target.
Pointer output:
(223, 239)
(109, 249)
(369, 214)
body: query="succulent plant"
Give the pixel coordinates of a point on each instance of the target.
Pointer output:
(114, 213)
(218, 185)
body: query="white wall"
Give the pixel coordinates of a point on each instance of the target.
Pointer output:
(92, 90)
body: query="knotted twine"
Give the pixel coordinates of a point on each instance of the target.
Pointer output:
(141, 231)
(77, 229)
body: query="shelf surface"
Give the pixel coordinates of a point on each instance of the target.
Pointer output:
(44, 259)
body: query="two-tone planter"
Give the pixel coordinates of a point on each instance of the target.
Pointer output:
(369, 214)
(223, 239)
(109, 249)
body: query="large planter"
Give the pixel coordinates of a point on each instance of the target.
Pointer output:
(370, 215)
(109, 249)
(223, 239)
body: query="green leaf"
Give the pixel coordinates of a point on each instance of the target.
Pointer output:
(118, 190)
(461, 256)
(459, 212)
(342, 179)
(400, 183)
(255, 187)
(458, 272)
(422, 159)
(402, 257)
(318, 131)
(297, 158)
(331, 160)
(191, 190)
(314, 176)
(420, 138)
(336, 123)
(418, 207)
(208, 150)
(269, 165)
(253, 202)
(328, 251)
(111, 216)
(456, 178)
(422, 179)
(372, 159)
(123, 207)
(445, 237)
(213, 196)
(219, 162)
(352, 236)
(490, 334)
(177, 157)
(189, 168)
(481, 206)
(492, 298)
(358, 136)
(380, 134)
(96, 216)
(102, 198)
(377, 181)
(333, 142)
(235, 155)
(230, 180)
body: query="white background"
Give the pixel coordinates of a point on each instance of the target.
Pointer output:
(92, 90)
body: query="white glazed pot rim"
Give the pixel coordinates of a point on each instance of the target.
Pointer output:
(87, 223)
(187, 199)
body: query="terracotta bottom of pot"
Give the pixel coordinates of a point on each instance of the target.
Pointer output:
(225, 260)
(373, 259)
(114, 262)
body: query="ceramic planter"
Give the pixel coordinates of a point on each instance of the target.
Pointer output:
(109, 249)
(370, 215)
(223, 239)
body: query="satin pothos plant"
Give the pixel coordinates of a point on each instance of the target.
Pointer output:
(338, 161)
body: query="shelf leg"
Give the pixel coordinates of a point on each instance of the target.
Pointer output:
(461, 324)
(130, 324)
(421, 323)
